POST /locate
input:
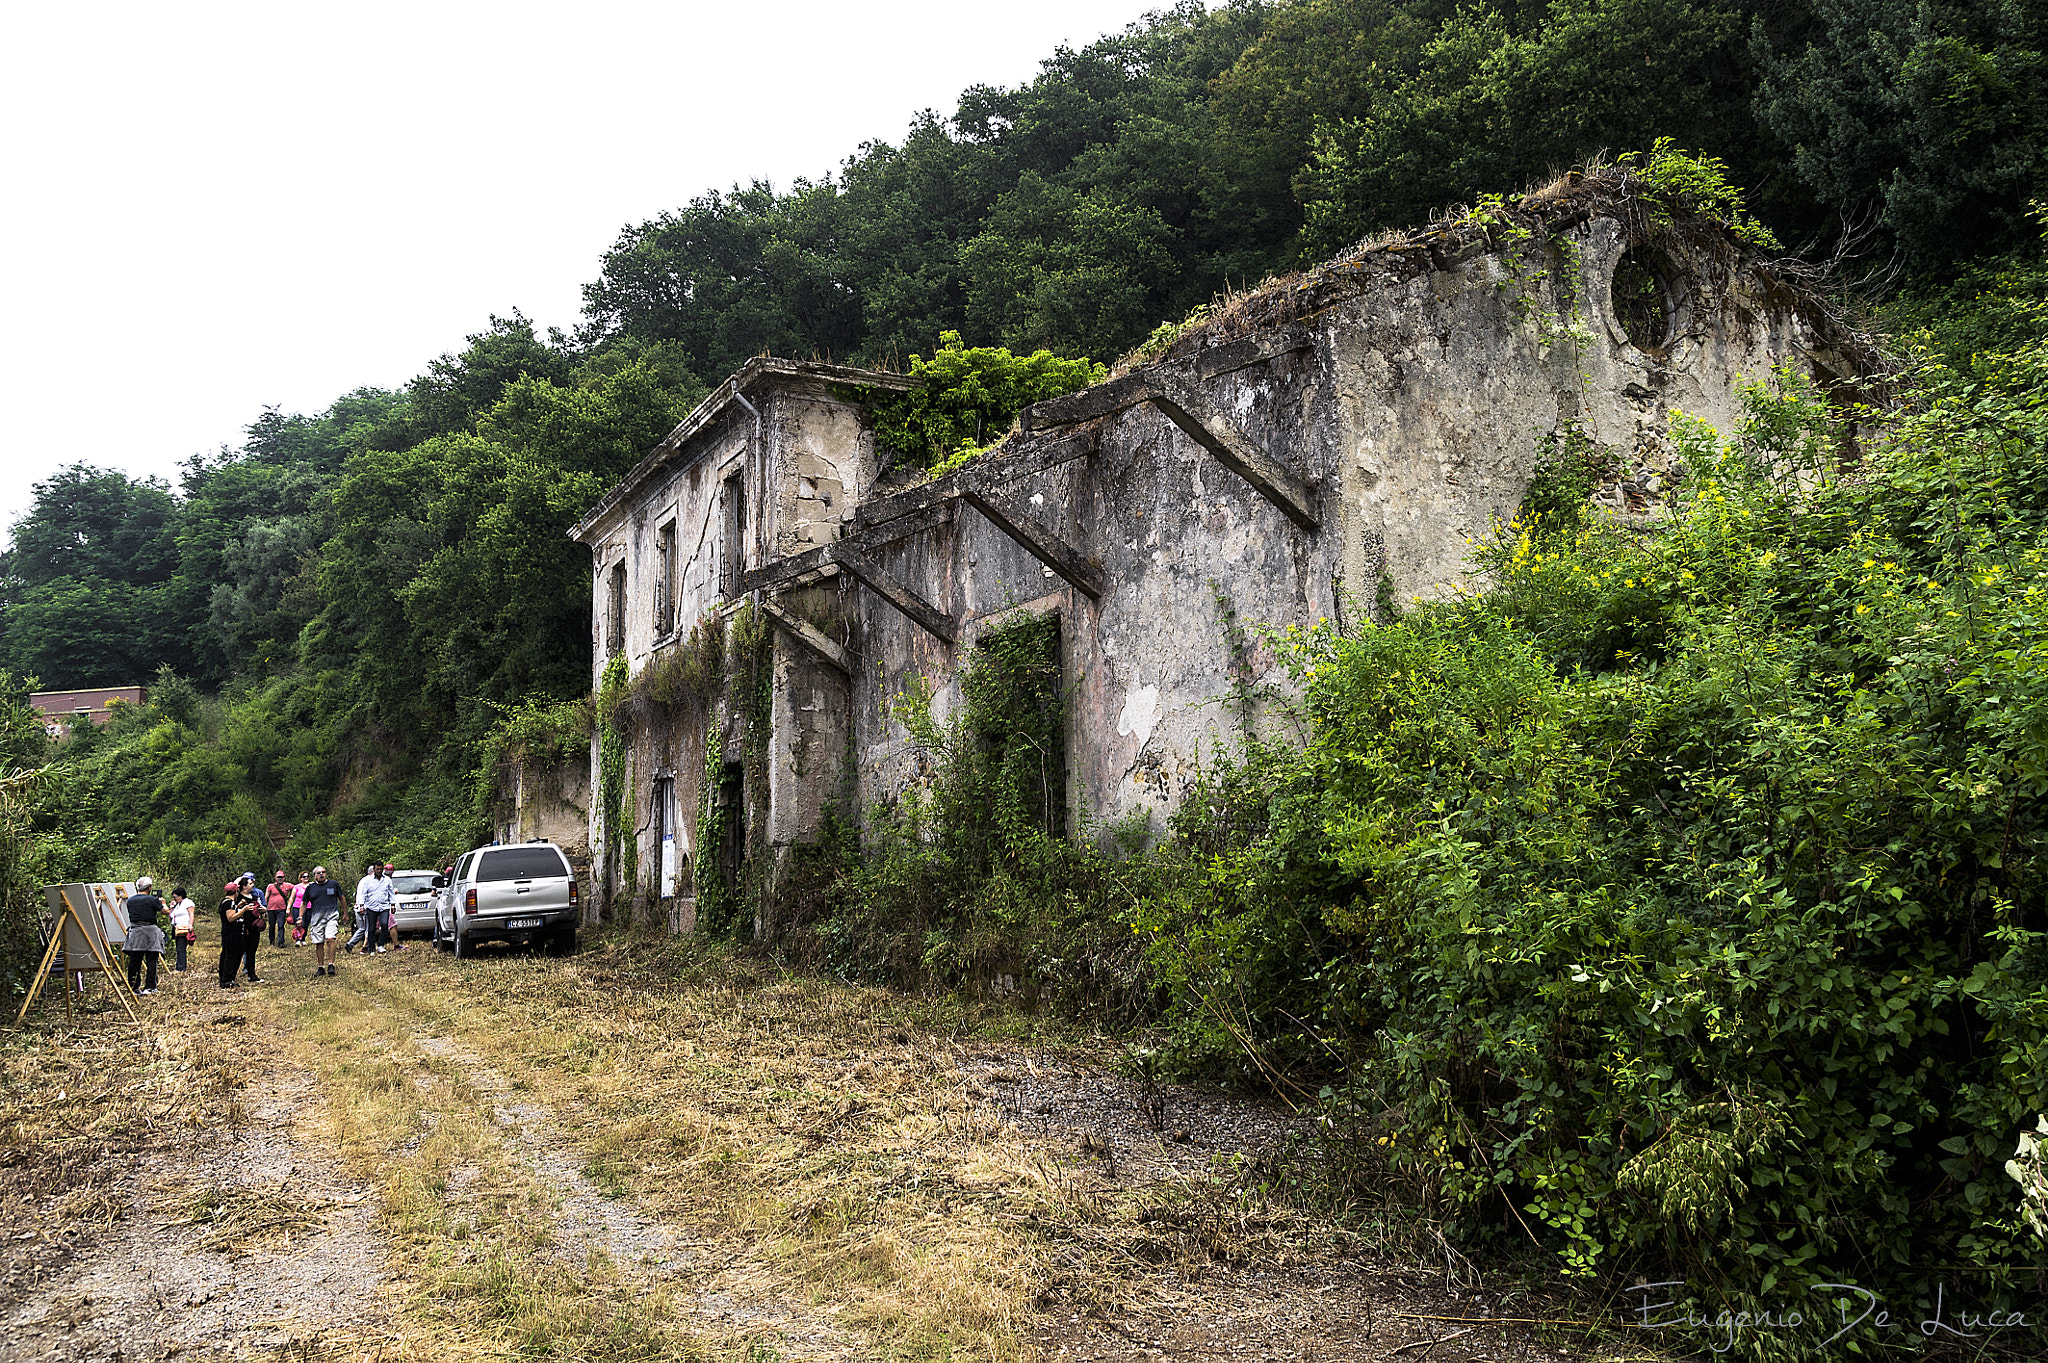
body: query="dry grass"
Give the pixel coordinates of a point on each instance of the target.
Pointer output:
(238, 1219)
(650, 1151)
(811, 1150)
(73, 1094)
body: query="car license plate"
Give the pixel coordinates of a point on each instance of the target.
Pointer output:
(524, 923)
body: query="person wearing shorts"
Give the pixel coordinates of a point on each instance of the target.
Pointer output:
(324, 902)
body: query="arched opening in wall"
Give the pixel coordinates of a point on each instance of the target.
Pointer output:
(1643, 294)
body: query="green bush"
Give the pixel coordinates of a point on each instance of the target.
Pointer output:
(1678, 899)
(967, 398)
(971, 875)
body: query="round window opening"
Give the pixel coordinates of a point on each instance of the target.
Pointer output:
(1641, 294)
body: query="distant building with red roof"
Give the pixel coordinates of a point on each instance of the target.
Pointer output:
(95, 703)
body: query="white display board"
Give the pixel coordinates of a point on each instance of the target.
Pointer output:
(100, 907)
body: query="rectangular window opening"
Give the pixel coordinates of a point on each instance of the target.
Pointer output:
(665, 591)
(735, 532)
(1018, 691)
(615, 625)
(666, 837)
(732, 849)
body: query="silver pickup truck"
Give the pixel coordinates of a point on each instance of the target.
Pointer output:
(519, 892)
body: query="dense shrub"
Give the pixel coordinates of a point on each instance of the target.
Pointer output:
(1677, 901)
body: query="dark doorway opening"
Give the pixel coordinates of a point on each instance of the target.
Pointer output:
(732, 849)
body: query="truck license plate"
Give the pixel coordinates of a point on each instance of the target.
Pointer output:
(524, 923)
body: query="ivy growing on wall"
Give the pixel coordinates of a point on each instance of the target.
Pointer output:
(729, 898)
(611, 774)
(974, 873)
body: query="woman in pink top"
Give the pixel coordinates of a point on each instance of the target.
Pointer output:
(297, 914)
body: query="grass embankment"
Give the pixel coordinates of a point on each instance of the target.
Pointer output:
(649, 1152)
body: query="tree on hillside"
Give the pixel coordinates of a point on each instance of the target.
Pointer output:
(1929, 117)
(1494, 101)
(88, 584)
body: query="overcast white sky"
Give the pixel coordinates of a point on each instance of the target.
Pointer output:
(216, 207)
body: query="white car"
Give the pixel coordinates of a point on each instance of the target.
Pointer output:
(412, 904)
(518, 892)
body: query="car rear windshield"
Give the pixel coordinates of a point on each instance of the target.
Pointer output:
(419, 884)
(521, 863)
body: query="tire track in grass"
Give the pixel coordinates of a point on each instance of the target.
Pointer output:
(723, 1292)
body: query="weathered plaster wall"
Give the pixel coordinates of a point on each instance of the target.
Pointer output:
(801, 452)
(551, 800)
(1416, 413)
(1407, 387)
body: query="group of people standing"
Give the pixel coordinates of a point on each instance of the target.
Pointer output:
(309, 910)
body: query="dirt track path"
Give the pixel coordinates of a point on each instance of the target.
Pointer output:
(618, 1158)
(225, 1240)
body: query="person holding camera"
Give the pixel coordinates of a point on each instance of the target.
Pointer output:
(241, 928)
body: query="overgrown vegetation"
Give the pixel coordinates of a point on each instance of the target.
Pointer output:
(970, 875)
(733, 862)
(967, 399)
(1673, 906)
(1676, 902)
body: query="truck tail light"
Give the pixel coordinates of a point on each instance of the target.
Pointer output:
(469, 902)
(573, 898)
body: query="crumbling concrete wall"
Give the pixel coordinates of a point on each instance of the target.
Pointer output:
(541, 798)
(1414, 412)
(1352, 432)
(771, 464)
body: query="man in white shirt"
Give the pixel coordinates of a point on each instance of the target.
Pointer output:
(374, 902)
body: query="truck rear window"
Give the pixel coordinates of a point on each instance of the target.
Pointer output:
(521, 863)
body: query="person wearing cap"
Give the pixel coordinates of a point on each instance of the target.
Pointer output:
(277, 900)
(374, 902)
(241, 928)
(324, 901)
(145, 941)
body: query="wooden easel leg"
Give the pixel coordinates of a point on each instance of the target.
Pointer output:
(43, 973)
(118, 981)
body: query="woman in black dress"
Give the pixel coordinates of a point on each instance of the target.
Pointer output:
(241, 924)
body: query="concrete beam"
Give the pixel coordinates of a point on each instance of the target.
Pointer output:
(1035, 456)
(809, 635)
(921, 612)
(1107, 399)
(1186, 408)
(1104, 399)
(785, 570)
(1012, 519)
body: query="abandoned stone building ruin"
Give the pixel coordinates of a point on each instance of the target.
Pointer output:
(1350, 430)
